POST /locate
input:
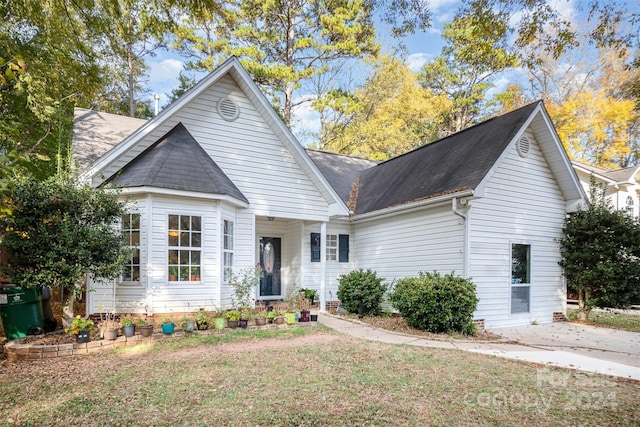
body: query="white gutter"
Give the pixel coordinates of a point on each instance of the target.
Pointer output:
(465, 238)
(412, 206)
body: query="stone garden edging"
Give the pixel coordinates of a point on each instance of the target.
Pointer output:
(17, 350)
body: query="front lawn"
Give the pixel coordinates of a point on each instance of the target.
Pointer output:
(609, 319)
(305, 377)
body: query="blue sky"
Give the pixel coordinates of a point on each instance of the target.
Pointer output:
(165, 66)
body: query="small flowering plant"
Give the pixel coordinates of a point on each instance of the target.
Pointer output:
(80, 324)
(244, 284)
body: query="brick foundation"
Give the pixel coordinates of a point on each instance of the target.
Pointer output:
(17, 350)
(559, 316)
(479, 325)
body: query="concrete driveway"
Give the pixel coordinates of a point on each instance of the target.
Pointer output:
(585, 347)
(601, 343)
(569, 345)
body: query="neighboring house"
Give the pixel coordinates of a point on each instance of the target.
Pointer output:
(217, 183)
(622, 188)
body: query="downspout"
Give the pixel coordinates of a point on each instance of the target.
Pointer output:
(323, 267)
(465, 238)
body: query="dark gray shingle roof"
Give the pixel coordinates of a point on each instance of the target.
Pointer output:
(457, 162)
(177, 162)
(341, 171)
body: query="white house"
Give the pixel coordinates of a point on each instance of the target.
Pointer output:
(217, 183)
(622, 187)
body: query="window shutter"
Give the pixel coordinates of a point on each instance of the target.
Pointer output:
(343, 248)
(315, 247)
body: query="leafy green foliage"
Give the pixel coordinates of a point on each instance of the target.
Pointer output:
(360, 286)
(388, 116)
(57, 232)
(476, 51)
(601, 254)
(282, 44)
(436, 303)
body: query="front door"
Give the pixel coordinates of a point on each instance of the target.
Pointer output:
(270, 284)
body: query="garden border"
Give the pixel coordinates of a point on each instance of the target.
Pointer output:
(16, 349)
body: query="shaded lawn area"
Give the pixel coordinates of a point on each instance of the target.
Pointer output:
(609, 319)
(305, 377)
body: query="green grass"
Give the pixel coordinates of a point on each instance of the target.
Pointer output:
(615, 320)
(304, 377)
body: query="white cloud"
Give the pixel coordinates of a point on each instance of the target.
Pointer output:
(305, 123)
(164, 71)
(415, 61)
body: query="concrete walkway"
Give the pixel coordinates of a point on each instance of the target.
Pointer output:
(564, 344)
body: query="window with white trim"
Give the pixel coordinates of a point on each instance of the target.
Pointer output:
(184, 250)
(228, 248)
(332, 247)
(130, 224)
(520, 278)
(629, 207)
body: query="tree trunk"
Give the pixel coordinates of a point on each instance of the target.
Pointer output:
(583, 308)
(67, 310)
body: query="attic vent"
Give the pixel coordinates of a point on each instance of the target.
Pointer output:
(228, 109)
(523, 146)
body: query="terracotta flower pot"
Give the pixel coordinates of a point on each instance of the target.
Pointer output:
(110, 334)
(261, 321)
(146, 331)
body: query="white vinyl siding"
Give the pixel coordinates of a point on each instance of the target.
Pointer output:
(276, 185)
(521, 203)
(310, 275)
(184, 296)
(430, 239)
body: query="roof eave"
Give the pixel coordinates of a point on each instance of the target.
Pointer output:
(182, 193)
(419, 204)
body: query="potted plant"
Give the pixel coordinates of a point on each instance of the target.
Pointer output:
(109, 326)
(245, 315)
(233, 318)
(167, 325)
(173, 273)
(203, 318)
(311, 295)
(188, 324)
(146, 330)
(219, 320)
(128, 327)
(261, 318)
(80, 328)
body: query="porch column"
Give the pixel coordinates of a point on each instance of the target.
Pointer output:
(323, 267)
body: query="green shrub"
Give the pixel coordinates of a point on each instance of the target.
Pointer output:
(361, 286)
(436, 303)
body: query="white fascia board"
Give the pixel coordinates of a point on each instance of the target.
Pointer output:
(183, 194)
(407, 207)
(165, 114)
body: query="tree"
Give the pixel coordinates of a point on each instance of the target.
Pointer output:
(57, 232)
(390, 115)
(601, 255)
(598, 129)
(476, 51)
(281, 44)
(184, 84)
(136, 31)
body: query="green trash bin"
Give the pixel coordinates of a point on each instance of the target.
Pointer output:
(21, 311)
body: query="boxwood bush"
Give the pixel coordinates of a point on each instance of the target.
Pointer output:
(361, 286)
(436, 303)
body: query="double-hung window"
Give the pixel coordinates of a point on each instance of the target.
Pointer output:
(337, 247)
(131, 239)
(228, 248)
(520, 278)
(185, 242)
